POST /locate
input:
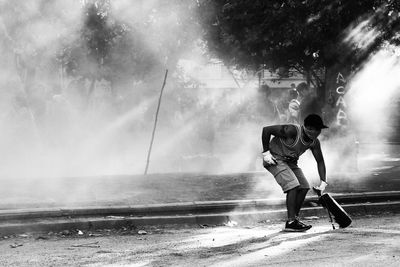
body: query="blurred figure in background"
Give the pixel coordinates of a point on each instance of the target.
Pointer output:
(293, 110)
(267, 108)
(309, 103)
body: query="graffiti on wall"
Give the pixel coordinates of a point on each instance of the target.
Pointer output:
(341, 115)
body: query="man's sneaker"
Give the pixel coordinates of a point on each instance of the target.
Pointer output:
(306, 225)
(296, 226)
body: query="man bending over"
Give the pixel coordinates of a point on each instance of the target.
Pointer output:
(280, 156)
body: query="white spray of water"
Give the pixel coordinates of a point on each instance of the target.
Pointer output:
(371, 101)
(73, 138)
(372, 95)
(107, 141)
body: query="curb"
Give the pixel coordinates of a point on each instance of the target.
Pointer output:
(189, 208)
(249, 216)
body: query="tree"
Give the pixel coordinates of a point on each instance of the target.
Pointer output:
(105, 48)
(132, 42)
(28, 30)
(314, 37)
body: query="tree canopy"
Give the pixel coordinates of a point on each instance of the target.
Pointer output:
(310, 36)
(122, 42)
(132, 44)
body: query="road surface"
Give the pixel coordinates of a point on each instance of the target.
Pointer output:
(369, 241)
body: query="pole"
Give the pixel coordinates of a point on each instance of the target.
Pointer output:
(155, 123)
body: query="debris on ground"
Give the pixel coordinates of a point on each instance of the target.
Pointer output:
(104, 251)
(42, 238)
(231, 223)
(94, 235)
(16, 245)
(311, 218)
(142, 232)
(65, 233)
(115, 217)
(87, 245)
(23, 235)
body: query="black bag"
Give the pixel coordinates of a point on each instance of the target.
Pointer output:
(339, 214)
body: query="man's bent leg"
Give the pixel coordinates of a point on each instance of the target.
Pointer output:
(293, 224)
(302, 189)
(291, 203)
(300, 196)
(287, 179)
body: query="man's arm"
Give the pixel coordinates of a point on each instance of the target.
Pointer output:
(317, 152)
(284, 131)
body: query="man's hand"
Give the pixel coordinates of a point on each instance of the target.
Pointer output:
(322, 186)
(269, 159)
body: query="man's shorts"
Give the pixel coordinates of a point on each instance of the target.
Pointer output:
(288, 175)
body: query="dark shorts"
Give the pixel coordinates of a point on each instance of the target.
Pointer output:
(288, 175)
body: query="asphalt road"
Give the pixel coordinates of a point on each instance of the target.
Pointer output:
(369, 241)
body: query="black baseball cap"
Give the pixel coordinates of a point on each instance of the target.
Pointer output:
(315, 121)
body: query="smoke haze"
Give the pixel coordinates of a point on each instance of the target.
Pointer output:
(53, 129)
(49, 128)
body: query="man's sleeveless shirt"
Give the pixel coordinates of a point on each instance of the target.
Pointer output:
(290, 152)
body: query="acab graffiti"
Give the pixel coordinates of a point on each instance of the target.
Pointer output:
(341, 115)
